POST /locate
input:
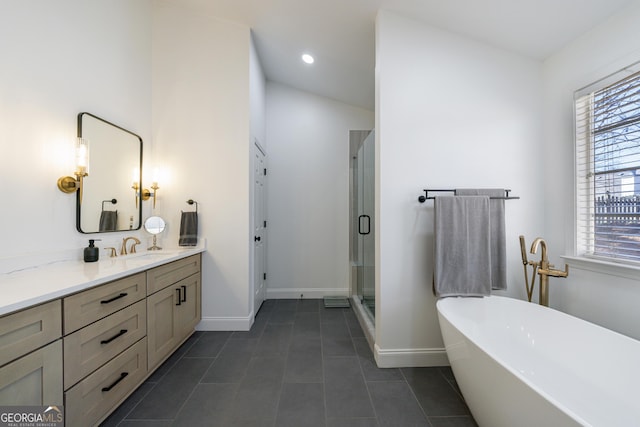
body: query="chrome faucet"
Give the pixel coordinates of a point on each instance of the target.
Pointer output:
(545, 270)
(123, 249)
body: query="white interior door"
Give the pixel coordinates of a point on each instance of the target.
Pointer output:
(260, 224)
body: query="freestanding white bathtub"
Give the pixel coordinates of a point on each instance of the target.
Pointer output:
(521, 364)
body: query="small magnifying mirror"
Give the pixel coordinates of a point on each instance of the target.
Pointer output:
(154, 225)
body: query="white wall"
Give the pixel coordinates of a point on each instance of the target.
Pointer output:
(58, 59)
(257, 93)
(308, 192)
(451, 112)
(605, 297)
(201, 127)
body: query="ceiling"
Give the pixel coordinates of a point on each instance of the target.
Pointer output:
(340, 33)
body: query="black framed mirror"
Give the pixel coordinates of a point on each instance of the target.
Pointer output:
(111, 190)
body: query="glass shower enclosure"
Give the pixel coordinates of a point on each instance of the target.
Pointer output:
(362, 217)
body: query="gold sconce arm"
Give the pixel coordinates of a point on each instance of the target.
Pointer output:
(69, 184)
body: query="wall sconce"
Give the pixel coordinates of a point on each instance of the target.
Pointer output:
(69, 184)
(146, 194)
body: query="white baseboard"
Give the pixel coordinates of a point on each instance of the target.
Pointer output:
(410, 357)
(307, 293)
(225, 323)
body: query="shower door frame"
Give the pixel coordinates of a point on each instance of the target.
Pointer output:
(362, 218)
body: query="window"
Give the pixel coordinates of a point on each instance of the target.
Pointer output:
(607, 134)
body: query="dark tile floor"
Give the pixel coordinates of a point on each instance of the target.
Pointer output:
(300, 365)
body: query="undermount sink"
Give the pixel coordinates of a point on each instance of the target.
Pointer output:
(149, 255)
(142, 258)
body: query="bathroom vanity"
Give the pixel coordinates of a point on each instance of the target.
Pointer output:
(87, 335)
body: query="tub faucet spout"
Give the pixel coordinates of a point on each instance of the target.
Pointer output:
(545, 270)
(534, 249)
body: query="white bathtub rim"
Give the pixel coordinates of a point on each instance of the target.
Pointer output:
(553, 401)
(477, 341)
(471, 399)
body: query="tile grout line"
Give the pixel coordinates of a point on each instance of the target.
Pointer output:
(134, 406)
(184, 356)
(424, 412)
(324, 388)
(253, 356)
(284, 369)
(366, 383)
(157, 382)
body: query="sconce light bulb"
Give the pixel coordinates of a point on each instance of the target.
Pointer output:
(82, 157)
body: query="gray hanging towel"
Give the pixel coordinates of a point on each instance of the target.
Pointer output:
(108, 221)
(462, 265)
(498, 233)
(188, 229)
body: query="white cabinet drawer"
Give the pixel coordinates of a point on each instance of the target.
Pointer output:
(93, 398)
(27, 330)
(90, 347)
(86, 307)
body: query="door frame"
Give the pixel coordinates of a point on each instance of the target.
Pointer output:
(259, 229)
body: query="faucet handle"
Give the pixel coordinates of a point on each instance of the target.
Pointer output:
(559, 273)
(112, 252)
(554, 273)
(133, 247)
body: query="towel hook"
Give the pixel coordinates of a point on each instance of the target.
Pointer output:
(192, 202)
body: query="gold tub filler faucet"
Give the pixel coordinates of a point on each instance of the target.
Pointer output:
(542, 267)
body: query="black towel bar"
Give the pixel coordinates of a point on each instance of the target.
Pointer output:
(114, 201)
(426, 196)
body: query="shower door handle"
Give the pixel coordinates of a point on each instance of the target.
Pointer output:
(360, 218)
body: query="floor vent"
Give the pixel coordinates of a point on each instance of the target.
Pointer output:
(336, 302)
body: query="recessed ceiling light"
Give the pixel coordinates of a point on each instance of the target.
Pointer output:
(308, 59)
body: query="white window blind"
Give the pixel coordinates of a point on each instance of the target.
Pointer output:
(607, 133)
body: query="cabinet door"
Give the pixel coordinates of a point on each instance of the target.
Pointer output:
(34, 379)
(161, 320)
(189, 311)
(27, 330)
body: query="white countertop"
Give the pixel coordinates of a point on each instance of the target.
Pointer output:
(31, 286)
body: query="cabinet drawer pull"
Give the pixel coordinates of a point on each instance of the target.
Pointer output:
(122, 376)
(107, 301)
(179, 297)
(184, 293)
(122, 332)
